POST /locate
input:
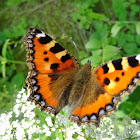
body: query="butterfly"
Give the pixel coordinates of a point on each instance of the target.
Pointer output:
(56, 79)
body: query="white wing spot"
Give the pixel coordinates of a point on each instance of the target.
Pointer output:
(114, 100)
(49, 108)
(129, 87)
(35, 88)
(41, 35)
(37, 97)
(29, 41)
(84, 119)
(93, 117)
(108, 107)
(101, 112)
(33, 81)
(30, 45)
(138, 57)
(43, 103)
(135, 79)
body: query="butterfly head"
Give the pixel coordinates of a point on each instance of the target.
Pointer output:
(84, 73)
(88, 65)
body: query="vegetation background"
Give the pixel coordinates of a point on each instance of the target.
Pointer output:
(98, 28)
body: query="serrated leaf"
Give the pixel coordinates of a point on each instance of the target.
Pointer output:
(129, 38)
(130, 48)
(119, 9)
(138, 28)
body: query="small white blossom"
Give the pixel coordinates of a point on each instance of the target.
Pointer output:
(49, 121)
(46, 130)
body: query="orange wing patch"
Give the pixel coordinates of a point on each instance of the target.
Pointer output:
(120, 77)
(46, 61)
(92, 113)
(40, 92)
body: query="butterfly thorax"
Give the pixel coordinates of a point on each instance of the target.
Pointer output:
(80, 81)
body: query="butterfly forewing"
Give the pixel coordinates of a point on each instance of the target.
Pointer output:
(50, 67)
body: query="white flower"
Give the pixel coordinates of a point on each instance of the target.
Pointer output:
(53, 129)
(19, 95)
(46, 130)
(49, 121)
(138, 133)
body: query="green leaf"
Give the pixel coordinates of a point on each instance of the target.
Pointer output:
(122, 39)
(94, 42)
(130, 48)
(97, 16)
(110, 52)
(4, 49)
(74, 136)
(138, 28)
(18, 80)
(129, 37)
(82, 54)
(137, 38)
(1, 58)
(59, 134)
(116, 28)
(119, 9)
(131, 105)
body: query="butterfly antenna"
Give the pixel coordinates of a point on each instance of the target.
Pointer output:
(107, 54)
(74, 44)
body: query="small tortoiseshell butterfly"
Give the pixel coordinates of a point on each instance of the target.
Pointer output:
(56, 79)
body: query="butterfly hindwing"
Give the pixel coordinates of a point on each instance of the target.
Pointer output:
(94, 104)
(48, 63)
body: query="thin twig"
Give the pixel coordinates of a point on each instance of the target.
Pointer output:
(36, 7)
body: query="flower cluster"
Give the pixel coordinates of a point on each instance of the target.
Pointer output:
(25, 121)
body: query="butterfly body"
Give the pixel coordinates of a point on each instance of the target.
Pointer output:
(56, 79)
(80, 80)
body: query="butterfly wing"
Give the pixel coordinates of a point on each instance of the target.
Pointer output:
(112, 80)
(51, 66)
(120, 77)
